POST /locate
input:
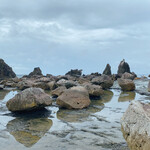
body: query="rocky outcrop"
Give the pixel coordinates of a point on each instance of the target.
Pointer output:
(104, 81)
(75, 73)
(5, 70)
(126, 84)
(74, 98)
(29, 99)
(136, 126)
(123, 67)
(36, 71)
(107, 70)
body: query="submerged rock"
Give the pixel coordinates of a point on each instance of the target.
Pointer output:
(107, 70)
(5, 70)
(126, 84)
(123, 67)
(29, 99)
(36, 71)
(74, 98)
(136, 126)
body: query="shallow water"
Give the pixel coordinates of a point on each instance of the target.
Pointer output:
(97, 127)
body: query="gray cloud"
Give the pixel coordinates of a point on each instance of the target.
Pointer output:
(60, 35)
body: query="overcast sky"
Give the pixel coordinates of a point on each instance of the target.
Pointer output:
(59, 35)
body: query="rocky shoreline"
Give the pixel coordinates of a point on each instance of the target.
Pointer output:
(72, 91)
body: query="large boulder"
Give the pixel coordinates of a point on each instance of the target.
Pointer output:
(76, 73)
(74, 98)
(104, 81)
(29, 99)
(94, 90)
(36, 71)
(136, 126)
(107, 70)
(126, 84)
(123, 67)
(5, 70)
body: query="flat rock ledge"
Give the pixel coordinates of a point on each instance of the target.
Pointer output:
(136, 126)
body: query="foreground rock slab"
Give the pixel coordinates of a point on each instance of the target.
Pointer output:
(29, 99)
(74, 98)
(136, 126)
(126, 84)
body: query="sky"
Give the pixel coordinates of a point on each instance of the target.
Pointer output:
(59, 35)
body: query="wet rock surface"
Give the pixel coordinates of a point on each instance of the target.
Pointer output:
(126, 84)
(74, 98)
(136, 126)
(95, 127)
(31, 98)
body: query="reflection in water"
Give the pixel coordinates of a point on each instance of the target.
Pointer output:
(29, 131)
(3, 93)
(82, 115)
(107, 96)
(126, 96)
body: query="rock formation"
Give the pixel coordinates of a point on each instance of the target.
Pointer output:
(123, 67)
(107, 70)
(36, 71)
(76, 73)
(5, 70)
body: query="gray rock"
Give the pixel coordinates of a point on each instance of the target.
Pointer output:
(36, 71)
(74, 98)
(29, 99)
(58, 91)
(126, 84)
(76, 73)
(123, 67)
(136, 126)
(104, 81)
(107, 70)
(94, 90)
(5, 70)
(127, 75)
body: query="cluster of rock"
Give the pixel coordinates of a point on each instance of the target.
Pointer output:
(72, 90)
